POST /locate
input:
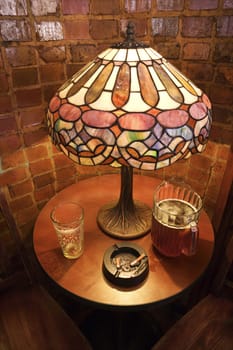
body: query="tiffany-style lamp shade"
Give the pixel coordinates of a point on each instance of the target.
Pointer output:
(129, 108)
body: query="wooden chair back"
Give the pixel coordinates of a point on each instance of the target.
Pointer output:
(223, 255)
(26, 272)
(30, 319)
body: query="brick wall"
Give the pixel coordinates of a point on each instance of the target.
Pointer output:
(44, 42)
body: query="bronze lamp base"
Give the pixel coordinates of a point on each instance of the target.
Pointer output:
(125, 219)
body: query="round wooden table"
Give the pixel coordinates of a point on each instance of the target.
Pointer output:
(83, 277)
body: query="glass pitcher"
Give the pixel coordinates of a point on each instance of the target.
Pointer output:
(176, 210)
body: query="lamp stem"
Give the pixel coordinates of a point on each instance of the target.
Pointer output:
(125, 218)
(125, 202)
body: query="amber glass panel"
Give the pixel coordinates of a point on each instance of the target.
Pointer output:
(77, 86)
(172, 89)
(121, 89)
(148, 90)
(97, 87)
(133, 153)
(181, 79)
(75, 76)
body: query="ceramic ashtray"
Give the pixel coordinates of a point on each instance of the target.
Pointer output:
(125, 264)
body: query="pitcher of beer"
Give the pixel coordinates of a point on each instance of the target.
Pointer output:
(176, 210)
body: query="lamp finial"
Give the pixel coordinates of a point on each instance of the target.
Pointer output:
(130, 41)
(130, 35)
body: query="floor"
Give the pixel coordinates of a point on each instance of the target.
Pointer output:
(112, 330)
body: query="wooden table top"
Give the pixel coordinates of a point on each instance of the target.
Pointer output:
(83, 277)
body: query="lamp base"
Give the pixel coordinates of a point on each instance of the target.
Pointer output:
(133, 223)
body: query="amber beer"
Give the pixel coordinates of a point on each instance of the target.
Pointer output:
(171, 232)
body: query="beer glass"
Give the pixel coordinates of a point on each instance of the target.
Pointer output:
(175, 214)
(68, 222)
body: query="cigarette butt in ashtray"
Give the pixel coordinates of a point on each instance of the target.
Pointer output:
(118, 262)
(136, 261)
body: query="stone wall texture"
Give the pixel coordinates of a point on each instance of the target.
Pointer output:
(44, 42)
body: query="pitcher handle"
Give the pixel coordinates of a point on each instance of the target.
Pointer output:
(193, 240)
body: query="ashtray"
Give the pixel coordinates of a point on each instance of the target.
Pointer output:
(125, 264)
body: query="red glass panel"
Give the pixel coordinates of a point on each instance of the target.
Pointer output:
(69, 112)
(54, 104)
(99, 119)
(137, 121)
(173, 119)
(206, 101)
(198, 110)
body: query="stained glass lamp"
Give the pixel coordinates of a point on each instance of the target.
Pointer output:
(129, 108)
